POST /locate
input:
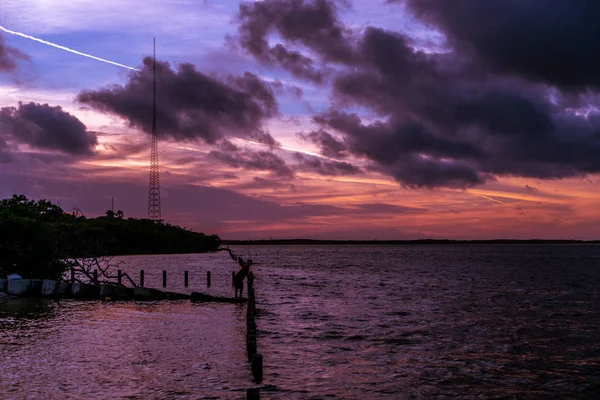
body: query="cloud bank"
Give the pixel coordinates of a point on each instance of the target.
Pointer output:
(503, 99)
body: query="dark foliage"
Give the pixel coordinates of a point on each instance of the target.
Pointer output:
(29, 238)
(37, 238)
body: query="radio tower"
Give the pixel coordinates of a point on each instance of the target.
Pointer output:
(154, 186)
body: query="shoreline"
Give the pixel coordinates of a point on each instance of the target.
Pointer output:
(287, 242)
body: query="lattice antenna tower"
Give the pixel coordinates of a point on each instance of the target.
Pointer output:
(154, 186)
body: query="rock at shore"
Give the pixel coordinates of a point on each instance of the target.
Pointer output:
(4, 296)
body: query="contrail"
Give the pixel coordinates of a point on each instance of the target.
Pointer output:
(66, 48)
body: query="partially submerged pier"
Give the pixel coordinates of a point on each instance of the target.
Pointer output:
(117, 291)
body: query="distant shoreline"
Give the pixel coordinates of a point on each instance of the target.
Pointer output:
(279, 242)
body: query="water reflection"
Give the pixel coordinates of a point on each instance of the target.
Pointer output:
(26, 308)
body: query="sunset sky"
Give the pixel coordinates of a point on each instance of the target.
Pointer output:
(318, 119)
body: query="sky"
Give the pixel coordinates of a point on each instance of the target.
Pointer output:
(324, 119)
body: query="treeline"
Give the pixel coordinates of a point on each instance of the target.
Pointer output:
(37, 237)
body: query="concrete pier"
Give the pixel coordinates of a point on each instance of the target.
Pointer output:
(24, 287)
(63, 289)
(49, 288)
(141, 293)
(177, 296)
(115, 292)
(85, 291)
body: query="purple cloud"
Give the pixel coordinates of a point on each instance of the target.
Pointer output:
(191, 105)
(45, 127)
(9, 56)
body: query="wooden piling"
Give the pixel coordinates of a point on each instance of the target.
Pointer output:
(72, 275)
(208, 278)
(142, 278)
(251, 299)
(251, 346)
(253, 394)
(185, 278)
(165, 279)
(255, 358)
(257, 368)
(119, 276)
(251, 326)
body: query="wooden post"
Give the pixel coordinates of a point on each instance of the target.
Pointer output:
(95, 277)
(72, 275)
(253, 394)
(251, 326)
(232, 278)
(251, 346)
(257, 368)
(119, 276)
(185, 278)
(164, 278)
(208, 278)
(251, 308)
(250, 284)
(142, 278)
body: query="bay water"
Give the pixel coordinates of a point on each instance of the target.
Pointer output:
(348, 322)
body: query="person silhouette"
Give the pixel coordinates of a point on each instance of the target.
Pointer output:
(239, 278)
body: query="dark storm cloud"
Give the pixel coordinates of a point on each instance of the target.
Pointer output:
(407, 151)
(251, 160)
(457, 118)
(555, 42)
(45, 127)
(296, 63)
(329, 146)
(9, 55)
(190, 105)
(312, 24)
(325, 167)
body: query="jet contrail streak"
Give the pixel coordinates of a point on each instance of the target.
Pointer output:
(65, 48)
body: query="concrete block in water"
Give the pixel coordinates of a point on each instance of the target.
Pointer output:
(49, 287)
(142, 293)
(25, 287)
(3, 285)
(116, 292)
(63, 289)
(83, 290)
